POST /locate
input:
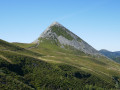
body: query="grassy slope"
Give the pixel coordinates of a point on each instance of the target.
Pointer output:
(60, 31)
(115, 56)
(101, 67)
(116, 59)
(5, 46)
(31, 73)
(24, 45)
(63, 69)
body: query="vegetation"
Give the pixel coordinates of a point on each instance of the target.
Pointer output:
(24, 45)
(49, 45)
(117, 59)
(7, 46)
(115, 56)
(79, 39)
(56, 68)
(61, 32)
(36, 74)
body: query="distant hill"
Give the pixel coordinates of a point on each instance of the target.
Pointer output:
(112, 55)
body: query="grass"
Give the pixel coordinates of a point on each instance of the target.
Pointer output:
(50, 67)
(37, 74)
(60, 31)
(101, 67)
(24, 45)
(7, 46)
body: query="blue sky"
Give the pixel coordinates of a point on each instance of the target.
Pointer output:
(95, 21)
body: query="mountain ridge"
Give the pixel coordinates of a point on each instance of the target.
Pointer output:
(115, 56)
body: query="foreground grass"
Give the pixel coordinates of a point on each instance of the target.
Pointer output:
(48, 67)
(37, 74)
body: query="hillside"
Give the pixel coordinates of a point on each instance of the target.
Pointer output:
(115, 56)
(5, 46)
(23, 72)
(52, 63)
(85, 58)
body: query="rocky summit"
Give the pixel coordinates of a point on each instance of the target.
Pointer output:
(58, 33)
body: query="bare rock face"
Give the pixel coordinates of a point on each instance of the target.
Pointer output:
(59, 33)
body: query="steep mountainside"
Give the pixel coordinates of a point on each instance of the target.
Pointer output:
(112, 55)
(63, 37)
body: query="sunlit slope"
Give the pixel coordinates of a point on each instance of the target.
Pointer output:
(58, 45)
(98, 65)
(61, 45)
(5, 46)
(56, 68)
(58, 59)
(24, 72)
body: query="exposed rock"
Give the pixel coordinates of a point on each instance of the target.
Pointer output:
(75, 42)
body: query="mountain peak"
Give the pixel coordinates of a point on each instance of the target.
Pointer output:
(54, 29)
(62, 37)
(56, 24)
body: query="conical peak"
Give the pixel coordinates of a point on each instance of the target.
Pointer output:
(56, 23)
(62, 36)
